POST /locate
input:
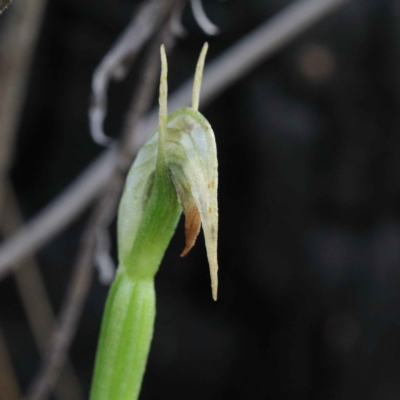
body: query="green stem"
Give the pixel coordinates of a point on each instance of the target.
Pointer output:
(127, 327)
(124, 340)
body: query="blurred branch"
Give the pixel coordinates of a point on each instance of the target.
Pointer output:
(18, 42)
(16, 52)
(220, 74)
(117, 61)
(4, 4)
(201, 18)
(36, 303)
(9, 388)
(101, 218)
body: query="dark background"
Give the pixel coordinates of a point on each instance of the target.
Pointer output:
(309, 243)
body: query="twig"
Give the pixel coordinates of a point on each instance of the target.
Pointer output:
(9, 388)
(177, 27)
(17, 45)
(36, 303)
(201, 17)
(4, 4)
(100, 219)
(117, 61)
(228, 68)
(58, 214)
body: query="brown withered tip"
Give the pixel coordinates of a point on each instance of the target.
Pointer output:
(192, 227)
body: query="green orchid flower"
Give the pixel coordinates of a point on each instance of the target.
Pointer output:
(177, 169)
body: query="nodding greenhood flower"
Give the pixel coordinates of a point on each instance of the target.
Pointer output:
(177, 169)
(182, 150)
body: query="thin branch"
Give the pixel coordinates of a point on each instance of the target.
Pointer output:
(78, 288)
(4, 4)
(177, 27)
(102, 258)
(9, 388)
(100, 220)
(201, 17)
(117, 61)
(220, 74)
(59, 213)
(17, 46)
(36, 302)
(18, 40)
